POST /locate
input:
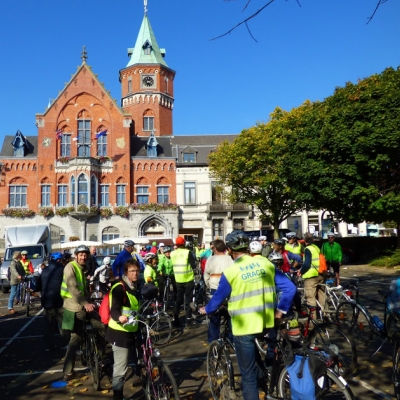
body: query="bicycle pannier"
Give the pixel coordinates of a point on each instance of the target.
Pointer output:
(323, 268)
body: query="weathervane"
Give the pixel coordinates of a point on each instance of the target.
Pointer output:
(84, 55)
(145, 7)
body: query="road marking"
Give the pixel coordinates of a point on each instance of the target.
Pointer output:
(18, 318)
(28, 337)
(49, 371)
(21, 330)
(372, 389)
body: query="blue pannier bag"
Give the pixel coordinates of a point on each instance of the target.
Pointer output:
(305, 372)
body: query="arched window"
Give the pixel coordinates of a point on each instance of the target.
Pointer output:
(72, 191)
(83, 189)
(93, 191)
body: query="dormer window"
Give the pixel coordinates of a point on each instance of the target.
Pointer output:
(189, 158)
(19, 145)
(147, 48)
(152, 146)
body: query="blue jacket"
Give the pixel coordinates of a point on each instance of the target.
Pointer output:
(49, 283)
(118, 264)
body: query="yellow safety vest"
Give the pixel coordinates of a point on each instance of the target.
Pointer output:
(80, 281)
(134, 306)
(293, 249)
(252, 301)
(26, 265)
(182, 270)
(313, 271)
(149, 272)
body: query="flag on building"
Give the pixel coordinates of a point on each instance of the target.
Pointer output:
(59, 134)
(75, 139)
(102, 133)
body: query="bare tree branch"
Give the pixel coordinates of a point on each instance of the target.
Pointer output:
(248, 29)
(248, 2)
(380, 2)
(244, 21)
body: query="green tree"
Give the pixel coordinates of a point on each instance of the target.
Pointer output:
(253, 166)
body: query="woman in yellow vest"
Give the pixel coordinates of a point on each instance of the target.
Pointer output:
(124, 297)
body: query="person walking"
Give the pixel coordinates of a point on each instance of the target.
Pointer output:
(250, 286)
(49, 283)
(77, 307)
(184, 263)
(124, 297)
(17, 273)
(333, 253)
(309, 272)
(215, 265)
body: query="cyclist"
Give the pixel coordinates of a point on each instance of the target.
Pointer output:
(150, 271)
(333, 254)
(215, 265)
(290, 260)
(184, 263)
(125, 254)
(266, 247)
(309, 272)
(293, 245)
(250, 285)
(124, 297)
(77, 306)
(102, 274)
(27, 264)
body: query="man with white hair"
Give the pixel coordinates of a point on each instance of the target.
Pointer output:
(266, 247)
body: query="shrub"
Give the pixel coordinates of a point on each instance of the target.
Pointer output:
(46, 212)
(103, 159)
(63, 159)
(73, 238)
(64, 211)
(122, 211)
(390, 258)
(105, 213)
(83, 208)
(94, 209)
(154, 206)
(20, 213)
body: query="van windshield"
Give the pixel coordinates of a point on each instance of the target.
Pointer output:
(33, 252)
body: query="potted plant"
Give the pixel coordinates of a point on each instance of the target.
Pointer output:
(64, 211)
(122, 211)
(46, 212)
(105, 213)
(63, 159)
(82, 208)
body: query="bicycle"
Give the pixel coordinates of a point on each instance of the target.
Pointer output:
(157, 380)
(26, 292)
(167, 292)
(354, 316)
(161, 326)
(89, 353)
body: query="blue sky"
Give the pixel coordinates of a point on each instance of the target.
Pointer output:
(221, 86)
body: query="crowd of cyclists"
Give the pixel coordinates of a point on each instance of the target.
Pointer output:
(254, 279)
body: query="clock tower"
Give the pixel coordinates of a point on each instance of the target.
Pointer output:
(148, 85)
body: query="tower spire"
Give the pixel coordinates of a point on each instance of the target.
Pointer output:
(145, 7)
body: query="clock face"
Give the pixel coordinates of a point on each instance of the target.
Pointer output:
(46, 142)
(148, 81)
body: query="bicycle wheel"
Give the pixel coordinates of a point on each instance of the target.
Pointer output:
(161, 384)
(393, 327)
(220, 372)
(330, 338)
(22, 294)
(93, 362)
(396, 370)
(27, 301)
(161, 329)
(334, 387)
(363, 328)
(346, 315)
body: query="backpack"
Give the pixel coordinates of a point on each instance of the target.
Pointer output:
(323, 268)
(305, 370)
(105, 307)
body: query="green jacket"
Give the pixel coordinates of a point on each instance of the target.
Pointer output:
(165, 265)
(332, 252)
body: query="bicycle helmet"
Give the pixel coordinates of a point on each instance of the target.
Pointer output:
(291, 235)
(129, 243)
(149, 256)
(56, 256)
(279, 241)
(82, 249)
(331, 234)
(107, 260)
(167, 249)
(189, 245)
(237, 240)
(262, 238)
(275, 256)
(255, 247)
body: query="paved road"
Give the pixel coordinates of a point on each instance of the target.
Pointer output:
(27, 371)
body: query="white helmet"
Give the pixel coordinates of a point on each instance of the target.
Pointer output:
(275, 256)
(107, 260)
(262, 238)
(255, 247)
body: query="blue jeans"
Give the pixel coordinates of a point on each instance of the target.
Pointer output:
(246, 353)
(14, 293)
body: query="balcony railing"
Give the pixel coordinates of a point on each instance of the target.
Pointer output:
(65, 162)
(217, 206)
